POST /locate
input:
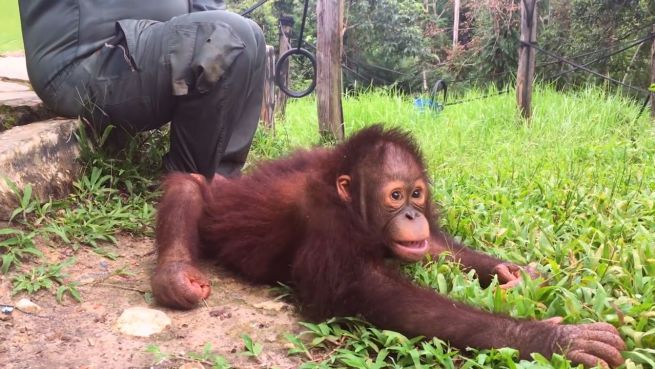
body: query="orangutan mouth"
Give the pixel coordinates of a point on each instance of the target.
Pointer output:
(411, 250)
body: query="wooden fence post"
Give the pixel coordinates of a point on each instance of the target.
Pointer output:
(268, 101)
(329, 25)
(652, 76)
(525, 73)
(286, 22)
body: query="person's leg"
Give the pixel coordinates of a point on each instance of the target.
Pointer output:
(220, 91)
(242, 134)
(203, 70)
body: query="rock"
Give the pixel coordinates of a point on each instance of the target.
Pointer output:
(272, 305)
(43, 155)
(19, 112)
(20, 105)
(13, 68)
(8, 87)
(27, 306)
(142, 322)
(192, 365)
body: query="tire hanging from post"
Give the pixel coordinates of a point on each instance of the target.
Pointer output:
(301, 52)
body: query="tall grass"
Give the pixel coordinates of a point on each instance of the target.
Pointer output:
(573, 189)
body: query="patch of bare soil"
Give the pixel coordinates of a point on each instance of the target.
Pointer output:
(85, 335)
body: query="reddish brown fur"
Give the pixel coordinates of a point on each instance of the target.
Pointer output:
(286, 222)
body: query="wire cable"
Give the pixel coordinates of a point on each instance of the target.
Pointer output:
(253, 8)
(607, 56)
(582, 67)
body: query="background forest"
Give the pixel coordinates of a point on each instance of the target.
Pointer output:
(392, 42)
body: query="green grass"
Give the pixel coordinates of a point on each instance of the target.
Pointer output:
(10, 34)
(574, 191)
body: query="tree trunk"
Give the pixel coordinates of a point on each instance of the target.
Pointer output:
(456, 24)
(268, 104)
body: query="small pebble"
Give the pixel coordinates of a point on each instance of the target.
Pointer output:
(142, 322)
(28, 306)
(272, 305)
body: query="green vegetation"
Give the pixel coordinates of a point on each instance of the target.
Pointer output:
(10, 35)
(573, 190)
(207, 356)
(252, 349)
(114, 194)
(392, 42)
(45, 276)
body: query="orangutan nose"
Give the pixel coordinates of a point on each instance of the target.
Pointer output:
(411, 215)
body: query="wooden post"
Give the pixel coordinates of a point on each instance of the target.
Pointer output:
(286, 23)
(525, 74)
(456, 24)
(652, 76)
(268, 101)
(329, 25)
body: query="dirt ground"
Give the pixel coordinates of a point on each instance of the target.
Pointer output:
(84, 335)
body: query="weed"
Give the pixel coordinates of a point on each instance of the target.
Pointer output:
(111, 195)
(47, 277)
(253, 349)
(207, 357)
(16, 245)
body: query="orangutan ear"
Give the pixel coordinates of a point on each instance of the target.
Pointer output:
(343, 187)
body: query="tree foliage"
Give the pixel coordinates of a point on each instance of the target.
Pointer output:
(396, 42)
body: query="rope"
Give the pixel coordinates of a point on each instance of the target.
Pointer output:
(578, 66)
(606, 56)
(302, 25)
(479, 98)
(253, 8)
(643, 107)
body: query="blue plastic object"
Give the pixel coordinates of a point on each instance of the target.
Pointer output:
(425, 104)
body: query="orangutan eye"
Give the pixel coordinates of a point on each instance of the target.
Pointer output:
(416, 194)
(395, 195)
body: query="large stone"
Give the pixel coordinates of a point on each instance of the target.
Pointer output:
(19, 105)
(7, 87)
(42, 154)
(13, 68)
(18, 98)
(21, 111)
